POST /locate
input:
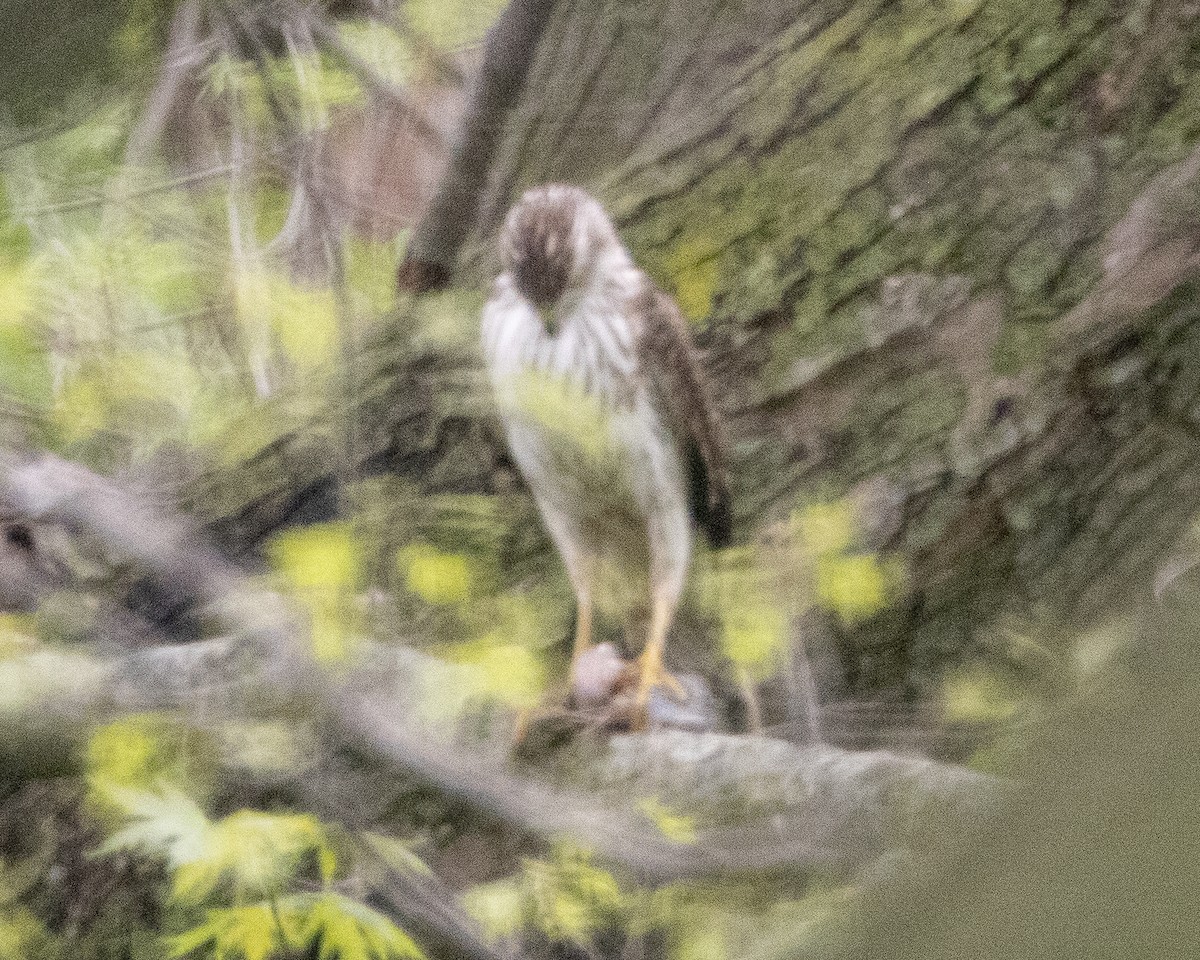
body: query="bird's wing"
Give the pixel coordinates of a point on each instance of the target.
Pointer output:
(671, 368)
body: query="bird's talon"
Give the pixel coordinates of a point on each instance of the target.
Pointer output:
(654, 674)
(678, 689)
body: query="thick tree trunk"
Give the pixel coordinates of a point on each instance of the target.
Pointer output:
(941, 257)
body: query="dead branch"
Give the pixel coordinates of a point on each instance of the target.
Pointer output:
(508, 54)
(182, 57)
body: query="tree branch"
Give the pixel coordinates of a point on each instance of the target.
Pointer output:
(265, 669)
(508, 54)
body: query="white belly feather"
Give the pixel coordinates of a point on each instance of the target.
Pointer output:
(630, 497)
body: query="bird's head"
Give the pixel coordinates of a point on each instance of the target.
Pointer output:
(552, 241)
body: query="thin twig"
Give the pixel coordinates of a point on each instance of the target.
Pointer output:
(100, 199)
(370, 78)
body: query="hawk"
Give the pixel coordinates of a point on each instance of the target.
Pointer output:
(576, 338)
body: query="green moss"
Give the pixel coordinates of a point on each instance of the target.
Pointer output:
(956, 138)
(810, 220)
(1020, 347)
(903, 422)
(694, 270)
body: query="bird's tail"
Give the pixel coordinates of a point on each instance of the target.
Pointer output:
(711, 506)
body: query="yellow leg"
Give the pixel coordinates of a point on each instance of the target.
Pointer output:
(583, 626)
(583, 571)
(651, 672)
(521, 726)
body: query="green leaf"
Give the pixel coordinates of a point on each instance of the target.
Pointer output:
(752, 633)
(826, 527)
(332, 638)
(162, 273)
(339, 927)
(240, 933)
(974, 695)
(388, 52)
(82, 408)
(497, 907)
(674, 826)
(20, 934)
(24, 366)
(126, 753)
(453, 23)
(345, 929)
(16, 242)
(303, 318)
(695, 272)
(854, 587)
(318, 557)
(20, 283)
(324, 566)
(436, 577)
(572, 897)
(258, 852)
(371, 273)
(165, 822)
(501, 672)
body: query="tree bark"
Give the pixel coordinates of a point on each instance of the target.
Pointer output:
(942, 260)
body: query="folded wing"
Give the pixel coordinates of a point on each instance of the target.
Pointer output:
(669, 363)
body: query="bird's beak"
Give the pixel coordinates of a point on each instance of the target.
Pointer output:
(549, 314)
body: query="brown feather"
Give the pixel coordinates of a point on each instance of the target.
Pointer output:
(670, 363)
(538, 246)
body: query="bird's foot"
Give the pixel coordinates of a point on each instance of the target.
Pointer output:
(652, 673)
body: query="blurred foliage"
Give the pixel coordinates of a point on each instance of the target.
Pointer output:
(147, 312)
(241, 886)
(23, 936)
(57, 54)
(453, 23)
(694, 267)
(162, 317)
(810, 560)
(332, 924)
(304, 320)
(567, 899)
(674, 826)
(436, 577)
(321, 565)
(1089, 853)
(977, 694)
(141, 750)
